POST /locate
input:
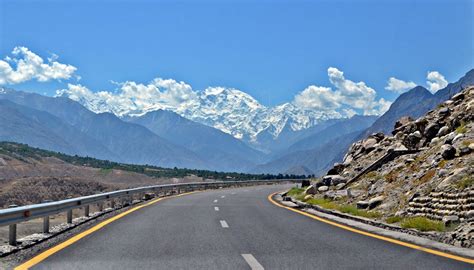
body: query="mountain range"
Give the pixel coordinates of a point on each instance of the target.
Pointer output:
(224, 130)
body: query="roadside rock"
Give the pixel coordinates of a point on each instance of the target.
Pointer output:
(323, 188)
(448, 151)
(443, 131)
(362, 204)
(311, 190)
(448, 220)
(374, 202)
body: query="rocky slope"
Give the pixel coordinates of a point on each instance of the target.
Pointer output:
(425, 169)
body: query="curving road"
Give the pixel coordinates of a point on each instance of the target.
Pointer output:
(233, 229)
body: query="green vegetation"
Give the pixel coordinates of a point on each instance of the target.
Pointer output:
(329, 204)
(353, 210)
(23, 152)
(393, 219)
(105, 171)
(422, 224)
(462, 128)
(295, 191)
(466, 181)
(442, 163)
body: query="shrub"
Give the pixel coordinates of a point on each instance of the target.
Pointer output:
(442, 164)
(466, 181)
(393, 219)
(462, 128)
(422, 224)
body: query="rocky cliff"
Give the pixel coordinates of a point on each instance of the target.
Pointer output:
(425, 169)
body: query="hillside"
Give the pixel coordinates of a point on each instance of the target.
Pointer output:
(31, 175)
(417, 102)
(426, 170)
(220, 149)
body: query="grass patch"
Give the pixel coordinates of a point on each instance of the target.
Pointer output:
(462, 128)
(466, 181)
(393, 219)
(295, 191)
(442, 164)
(427, 176)
(344, 208)
(466, 143)
(392, 175)
(352, 210)
(422, 224)
(105, 171)
(324, 203)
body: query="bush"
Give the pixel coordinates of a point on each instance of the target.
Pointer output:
(462, 128)
(393, 219)
(422, 224)
(466, 181)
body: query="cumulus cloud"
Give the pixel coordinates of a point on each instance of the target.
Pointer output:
(435, 81)
(399, 86)
(347, 96)
(132, 97)
(30, 66)
(317, 98)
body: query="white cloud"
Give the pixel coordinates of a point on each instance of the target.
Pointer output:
(435, 81)
(399, 86)
(134, 98)
(30, 66)
(317, 98)
(347, 95)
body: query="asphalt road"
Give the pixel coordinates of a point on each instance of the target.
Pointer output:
(189, 232)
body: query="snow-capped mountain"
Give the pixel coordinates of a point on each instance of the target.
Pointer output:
(229, 110)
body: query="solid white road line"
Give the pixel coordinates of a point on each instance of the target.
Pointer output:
(254, 264)
(215, 201)
(224, 224)
(216, 208)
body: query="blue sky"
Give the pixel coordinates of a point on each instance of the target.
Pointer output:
(271, 50)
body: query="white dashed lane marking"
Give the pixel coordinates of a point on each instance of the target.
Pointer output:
(215, 201)
(223, 196)
(224, 224)
(253, 263)
(216, 208)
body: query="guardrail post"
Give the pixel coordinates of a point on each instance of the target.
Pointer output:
(12, 230)
(100, 206)
(46, 220)
(46, 224)
(112, 204)
(69, 216)
(87, 210)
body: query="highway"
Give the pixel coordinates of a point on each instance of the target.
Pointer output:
(232, 229)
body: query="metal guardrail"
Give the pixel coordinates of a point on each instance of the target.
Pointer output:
(17, 214)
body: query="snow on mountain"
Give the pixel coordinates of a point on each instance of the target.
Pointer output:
(227, 109)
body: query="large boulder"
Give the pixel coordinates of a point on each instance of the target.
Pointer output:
(336, 169)
(311, 190)
(448, 151)
(362, 204)
(334, 180)
(374, 202)
(323, 188)
(431, 131)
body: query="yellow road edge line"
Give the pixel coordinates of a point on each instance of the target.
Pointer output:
(45, 254)
(384, 238)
